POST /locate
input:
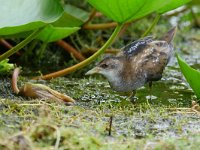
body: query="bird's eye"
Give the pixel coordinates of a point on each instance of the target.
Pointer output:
(104, 65)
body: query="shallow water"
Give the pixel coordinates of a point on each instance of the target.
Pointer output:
(96, 102)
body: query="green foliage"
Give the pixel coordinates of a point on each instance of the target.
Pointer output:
(192, 76)
(19, 15)
(123, 11)
(195, 2)
(5, 67)
(172, 5)
(72, 17)
(51, 33)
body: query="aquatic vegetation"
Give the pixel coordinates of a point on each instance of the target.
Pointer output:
(192, 76)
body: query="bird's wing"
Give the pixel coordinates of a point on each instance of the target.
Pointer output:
(136, 47)
(153, 59)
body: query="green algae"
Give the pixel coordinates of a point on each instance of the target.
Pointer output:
(84, 125)
(144, 124)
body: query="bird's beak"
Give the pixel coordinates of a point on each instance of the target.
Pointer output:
(93, 71)
(169, 35)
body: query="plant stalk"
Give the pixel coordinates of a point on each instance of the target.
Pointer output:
(152, 25)
(87, 61)
(20, 45)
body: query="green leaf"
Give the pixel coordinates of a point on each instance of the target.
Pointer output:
(5, 67)
(50, 33)
(72, 17)
(192, 76)
(24, 15)
(194, 2)
(127, 10)
(172, 5)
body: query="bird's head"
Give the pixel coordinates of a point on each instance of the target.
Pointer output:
(109, 67)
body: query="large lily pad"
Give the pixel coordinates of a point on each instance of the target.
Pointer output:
(72, 17)
(50, 33)
(172, 5)
(126, 10)
(191, 75)
(24, 15)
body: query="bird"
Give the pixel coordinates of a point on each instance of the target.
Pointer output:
(140, 62)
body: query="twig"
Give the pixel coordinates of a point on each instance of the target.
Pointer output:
(70, 50)
(99, 26)
(124, 29)
(92, 15)
(110, 126)
(7, 45)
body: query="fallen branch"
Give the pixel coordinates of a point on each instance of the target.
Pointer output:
(70, 50)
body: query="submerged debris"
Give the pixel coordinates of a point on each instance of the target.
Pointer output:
(38, 90)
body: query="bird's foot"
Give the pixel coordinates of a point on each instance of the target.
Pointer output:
(133, 99)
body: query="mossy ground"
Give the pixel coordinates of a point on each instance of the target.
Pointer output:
(144, 124)
(45, 124)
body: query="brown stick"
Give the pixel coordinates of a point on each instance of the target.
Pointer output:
(70, 50)
(7, 45)
(99, 26)
(92, 15)
(124, 29)
(110, 126)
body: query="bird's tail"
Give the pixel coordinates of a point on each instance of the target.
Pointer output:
(169, 35)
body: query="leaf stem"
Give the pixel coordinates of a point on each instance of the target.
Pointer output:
(20, 45)
(152, 25)
(99, 26)
(87, 61)
(71, 50)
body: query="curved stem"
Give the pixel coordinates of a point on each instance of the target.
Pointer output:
(92, 15)
(87, 61)
(71, 50)
(152, 25)
(99, 26)
(5, 43)
(14, 80)
(20, 45)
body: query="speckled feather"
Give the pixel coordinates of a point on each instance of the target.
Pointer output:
(138, 63)
(136, 46)
(143, 62)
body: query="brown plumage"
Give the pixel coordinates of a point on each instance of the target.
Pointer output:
(139, 62)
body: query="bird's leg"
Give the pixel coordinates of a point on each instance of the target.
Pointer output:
(132, 96)
(150, 89)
